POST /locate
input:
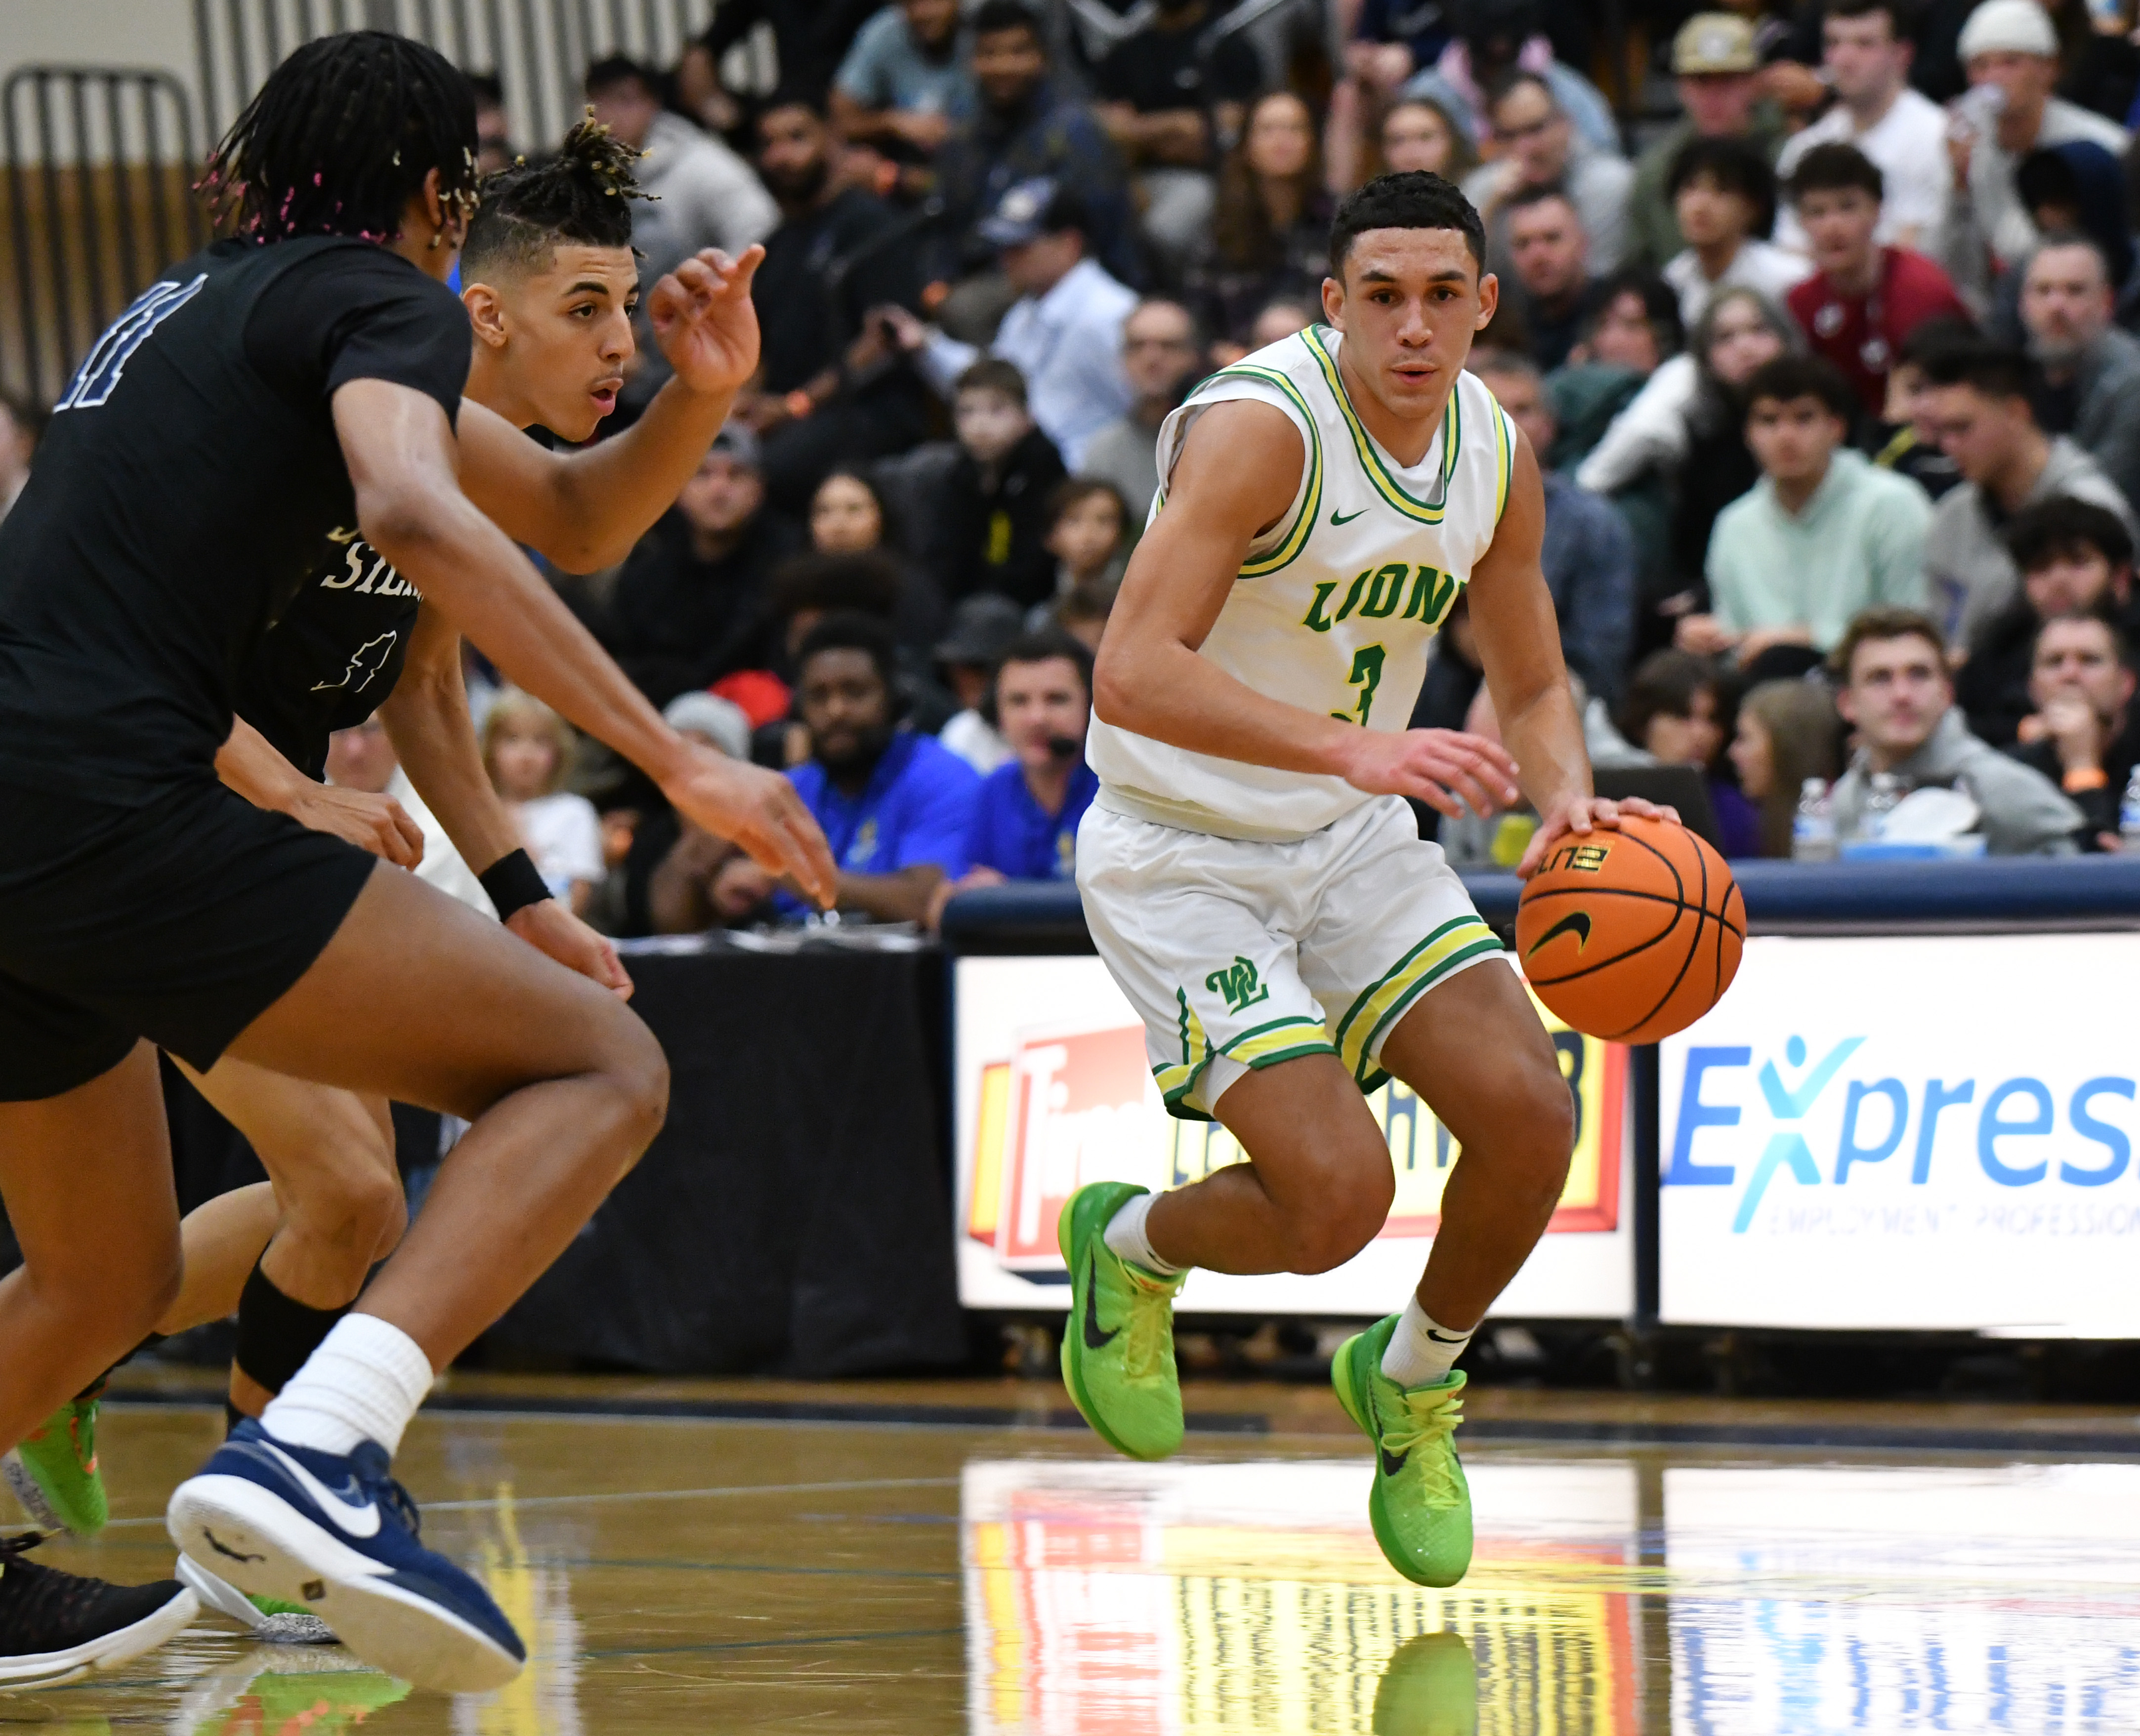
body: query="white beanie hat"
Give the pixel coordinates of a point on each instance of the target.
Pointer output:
(722, 721)
(2009, 26)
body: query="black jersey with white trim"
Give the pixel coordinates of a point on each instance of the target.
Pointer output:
(333, 657)
(185, 491)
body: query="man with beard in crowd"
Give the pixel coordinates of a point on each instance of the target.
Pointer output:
(827, 392)
(897, 805)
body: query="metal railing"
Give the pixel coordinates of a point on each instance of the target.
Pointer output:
(100, 162)
(539, 49)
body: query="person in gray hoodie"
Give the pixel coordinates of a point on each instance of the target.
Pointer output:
(1976, 405)
(1895, 692)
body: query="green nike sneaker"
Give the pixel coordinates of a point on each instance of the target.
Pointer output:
(1118, 1345)
(53, 1471)
(1430, 1689)
(1421, 1505)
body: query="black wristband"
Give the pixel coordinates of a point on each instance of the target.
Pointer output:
(512, 883)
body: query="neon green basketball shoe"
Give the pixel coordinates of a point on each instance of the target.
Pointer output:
(1421, 1504)
(1118, 1344)
(53, 1471)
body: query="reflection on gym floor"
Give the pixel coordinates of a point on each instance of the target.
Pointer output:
(891, 1579)
(1106, 1597)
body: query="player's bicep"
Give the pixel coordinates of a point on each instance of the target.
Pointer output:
(399, 448)
(1239, 472)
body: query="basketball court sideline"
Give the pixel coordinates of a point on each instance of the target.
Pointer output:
(903, 1558)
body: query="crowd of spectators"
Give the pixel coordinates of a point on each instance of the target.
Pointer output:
(1822, 329)
(1826, 360)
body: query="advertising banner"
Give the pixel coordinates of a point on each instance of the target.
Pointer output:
(1053, 1090)
(1921, 1132)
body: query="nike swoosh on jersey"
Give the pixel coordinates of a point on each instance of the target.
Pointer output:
(358, 1521)
(1575, 923)
(1336, 517)
(1095, 1339)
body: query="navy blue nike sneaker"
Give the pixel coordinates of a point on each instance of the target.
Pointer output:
(337, 1534)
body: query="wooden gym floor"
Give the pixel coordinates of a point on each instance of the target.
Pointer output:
(714, 1556)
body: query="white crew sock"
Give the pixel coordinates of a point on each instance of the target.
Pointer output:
(363, 1383)
(1125, 1234)
(1420, 1352)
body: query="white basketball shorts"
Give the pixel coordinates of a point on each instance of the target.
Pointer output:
(1239, 955)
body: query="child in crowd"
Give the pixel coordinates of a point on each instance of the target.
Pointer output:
(528, 751)
(990, 533)
(1087, 533)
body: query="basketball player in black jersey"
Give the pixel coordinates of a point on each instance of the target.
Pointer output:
(551, 283)
(307, 380)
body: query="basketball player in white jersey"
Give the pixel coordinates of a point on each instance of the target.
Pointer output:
(1256, 885)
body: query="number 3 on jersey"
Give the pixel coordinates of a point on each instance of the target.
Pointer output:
(1367, 676)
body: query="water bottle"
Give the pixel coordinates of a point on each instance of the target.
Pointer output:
(2129, 817)
(1881, 800)
(1812, 827)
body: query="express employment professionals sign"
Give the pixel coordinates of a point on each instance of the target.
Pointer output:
(1895, 1132)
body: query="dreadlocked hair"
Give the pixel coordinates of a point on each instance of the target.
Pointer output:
(341, 136)
(584, 194)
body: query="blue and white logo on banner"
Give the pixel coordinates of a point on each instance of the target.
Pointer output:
(1908, 1132)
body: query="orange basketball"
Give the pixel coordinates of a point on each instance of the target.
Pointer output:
(1631, 934)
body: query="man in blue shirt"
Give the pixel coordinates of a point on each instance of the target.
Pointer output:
(1025, 822)
(895, 807)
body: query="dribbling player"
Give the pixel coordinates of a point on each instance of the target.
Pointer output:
(197, 464)
(1259, 891)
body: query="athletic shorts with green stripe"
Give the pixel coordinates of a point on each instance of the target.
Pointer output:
(1240, 954)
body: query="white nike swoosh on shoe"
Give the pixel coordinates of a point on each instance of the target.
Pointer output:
(358, 1521)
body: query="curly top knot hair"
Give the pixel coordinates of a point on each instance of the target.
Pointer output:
(583, 193)
(341, 136)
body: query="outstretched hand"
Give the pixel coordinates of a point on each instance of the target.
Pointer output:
(760, 811)
(704, 321)
(1584, 816)
(1445, 768)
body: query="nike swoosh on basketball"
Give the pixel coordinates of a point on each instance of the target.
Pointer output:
(1338, 518)
(1095, 1339)
(1575, 923)
(358, 1521)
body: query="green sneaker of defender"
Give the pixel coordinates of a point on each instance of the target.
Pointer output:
(53, 1471)
(1118, 1343)
(1421, 1504)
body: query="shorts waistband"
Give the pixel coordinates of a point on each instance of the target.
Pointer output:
(1187, 817)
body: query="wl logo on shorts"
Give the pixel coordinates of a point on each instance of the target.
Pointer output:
(1238, 982)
